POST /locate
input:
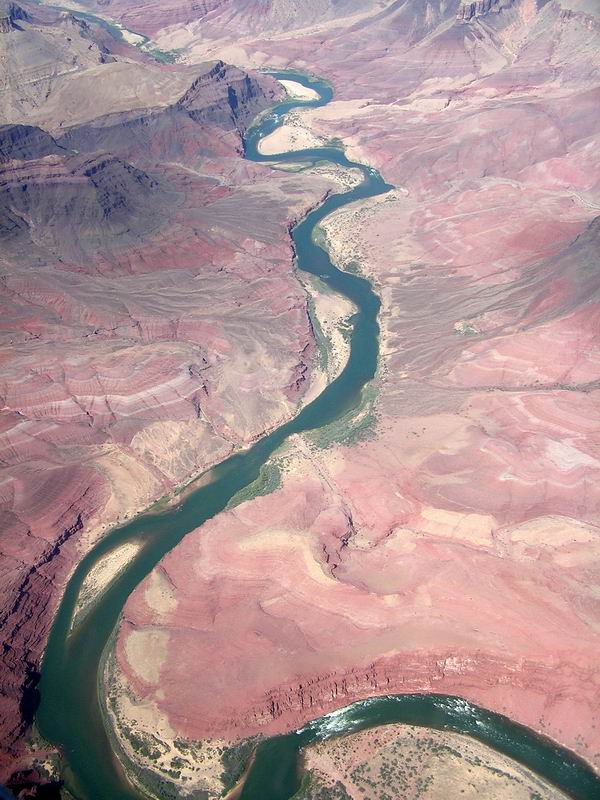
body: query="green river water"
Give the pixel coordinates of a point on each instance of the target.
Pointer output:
(70, 711)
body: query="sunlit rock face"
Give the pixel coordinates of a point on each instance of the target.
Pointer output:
(452, 547)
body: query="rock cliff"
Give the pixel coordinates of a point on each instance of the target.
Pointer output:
(73, 206)
(468, 11)
(9, 14)
(25, 142)
(220, 96)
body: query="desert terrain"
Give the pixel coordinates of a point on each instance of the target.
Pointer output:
(446, 539)
(441, 538)
(151, 320)
(415, 764)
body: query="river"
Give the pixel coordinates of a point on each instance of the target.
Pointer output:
(70, 712)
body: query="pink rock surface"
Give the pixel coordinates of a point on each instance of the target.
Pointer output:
(455, 550)
(272, 16)
(305, 600)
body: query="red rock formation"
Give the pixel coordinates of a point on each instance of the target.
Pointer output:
(328, 592)
(152, 322)
(454, 550)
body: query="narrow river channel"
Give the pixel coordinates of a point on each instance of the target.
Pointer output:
(70, 712)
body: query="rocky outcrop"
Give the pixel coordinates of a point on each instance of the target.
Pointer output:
(72, 206)
(206, 101)
(515, 686)
(152, 323)
(20, 658)
(42, 48)
(221, 96)
(480, 8)
(25, 142)
(9, 14)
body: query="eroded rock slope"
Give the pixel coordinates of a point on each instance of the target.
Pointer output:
(150, 317)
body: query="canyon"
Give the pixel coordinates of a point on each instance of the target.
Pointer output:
(444, 539)
(151, 321)
(442, 535)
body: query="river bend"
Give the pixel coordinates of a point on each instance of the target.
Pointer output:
(70, 712)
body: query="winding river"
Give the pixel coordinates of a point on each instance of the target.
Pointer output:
(70, 711)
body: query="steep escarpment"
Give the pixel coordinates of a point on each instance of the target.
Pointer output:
(10, 13)
(69, 208)
(444, 537)
(219, 99)
(480, 8)
(39, 48)
(25, 142)
(205, 101)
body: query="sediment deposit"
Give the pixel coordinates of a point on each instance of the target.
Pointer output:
(415, 764)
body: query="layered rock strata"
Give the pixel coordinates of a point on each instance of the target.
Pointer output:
(151, 322)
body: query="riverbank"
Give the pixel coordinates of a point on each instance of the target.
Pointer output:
(68, 676)
(291, 137)
(298, 91)
(416, 764)
(100, 576)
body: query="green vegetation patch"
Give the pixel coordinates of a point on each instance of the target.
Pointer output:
(288, 166)
(321, 341)
(164, 56)
(313, 788)
(269, 479)
(336, 143)
(319, 237)
(235, 760)
(465, 328)
(353, 267)
(356, 425)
